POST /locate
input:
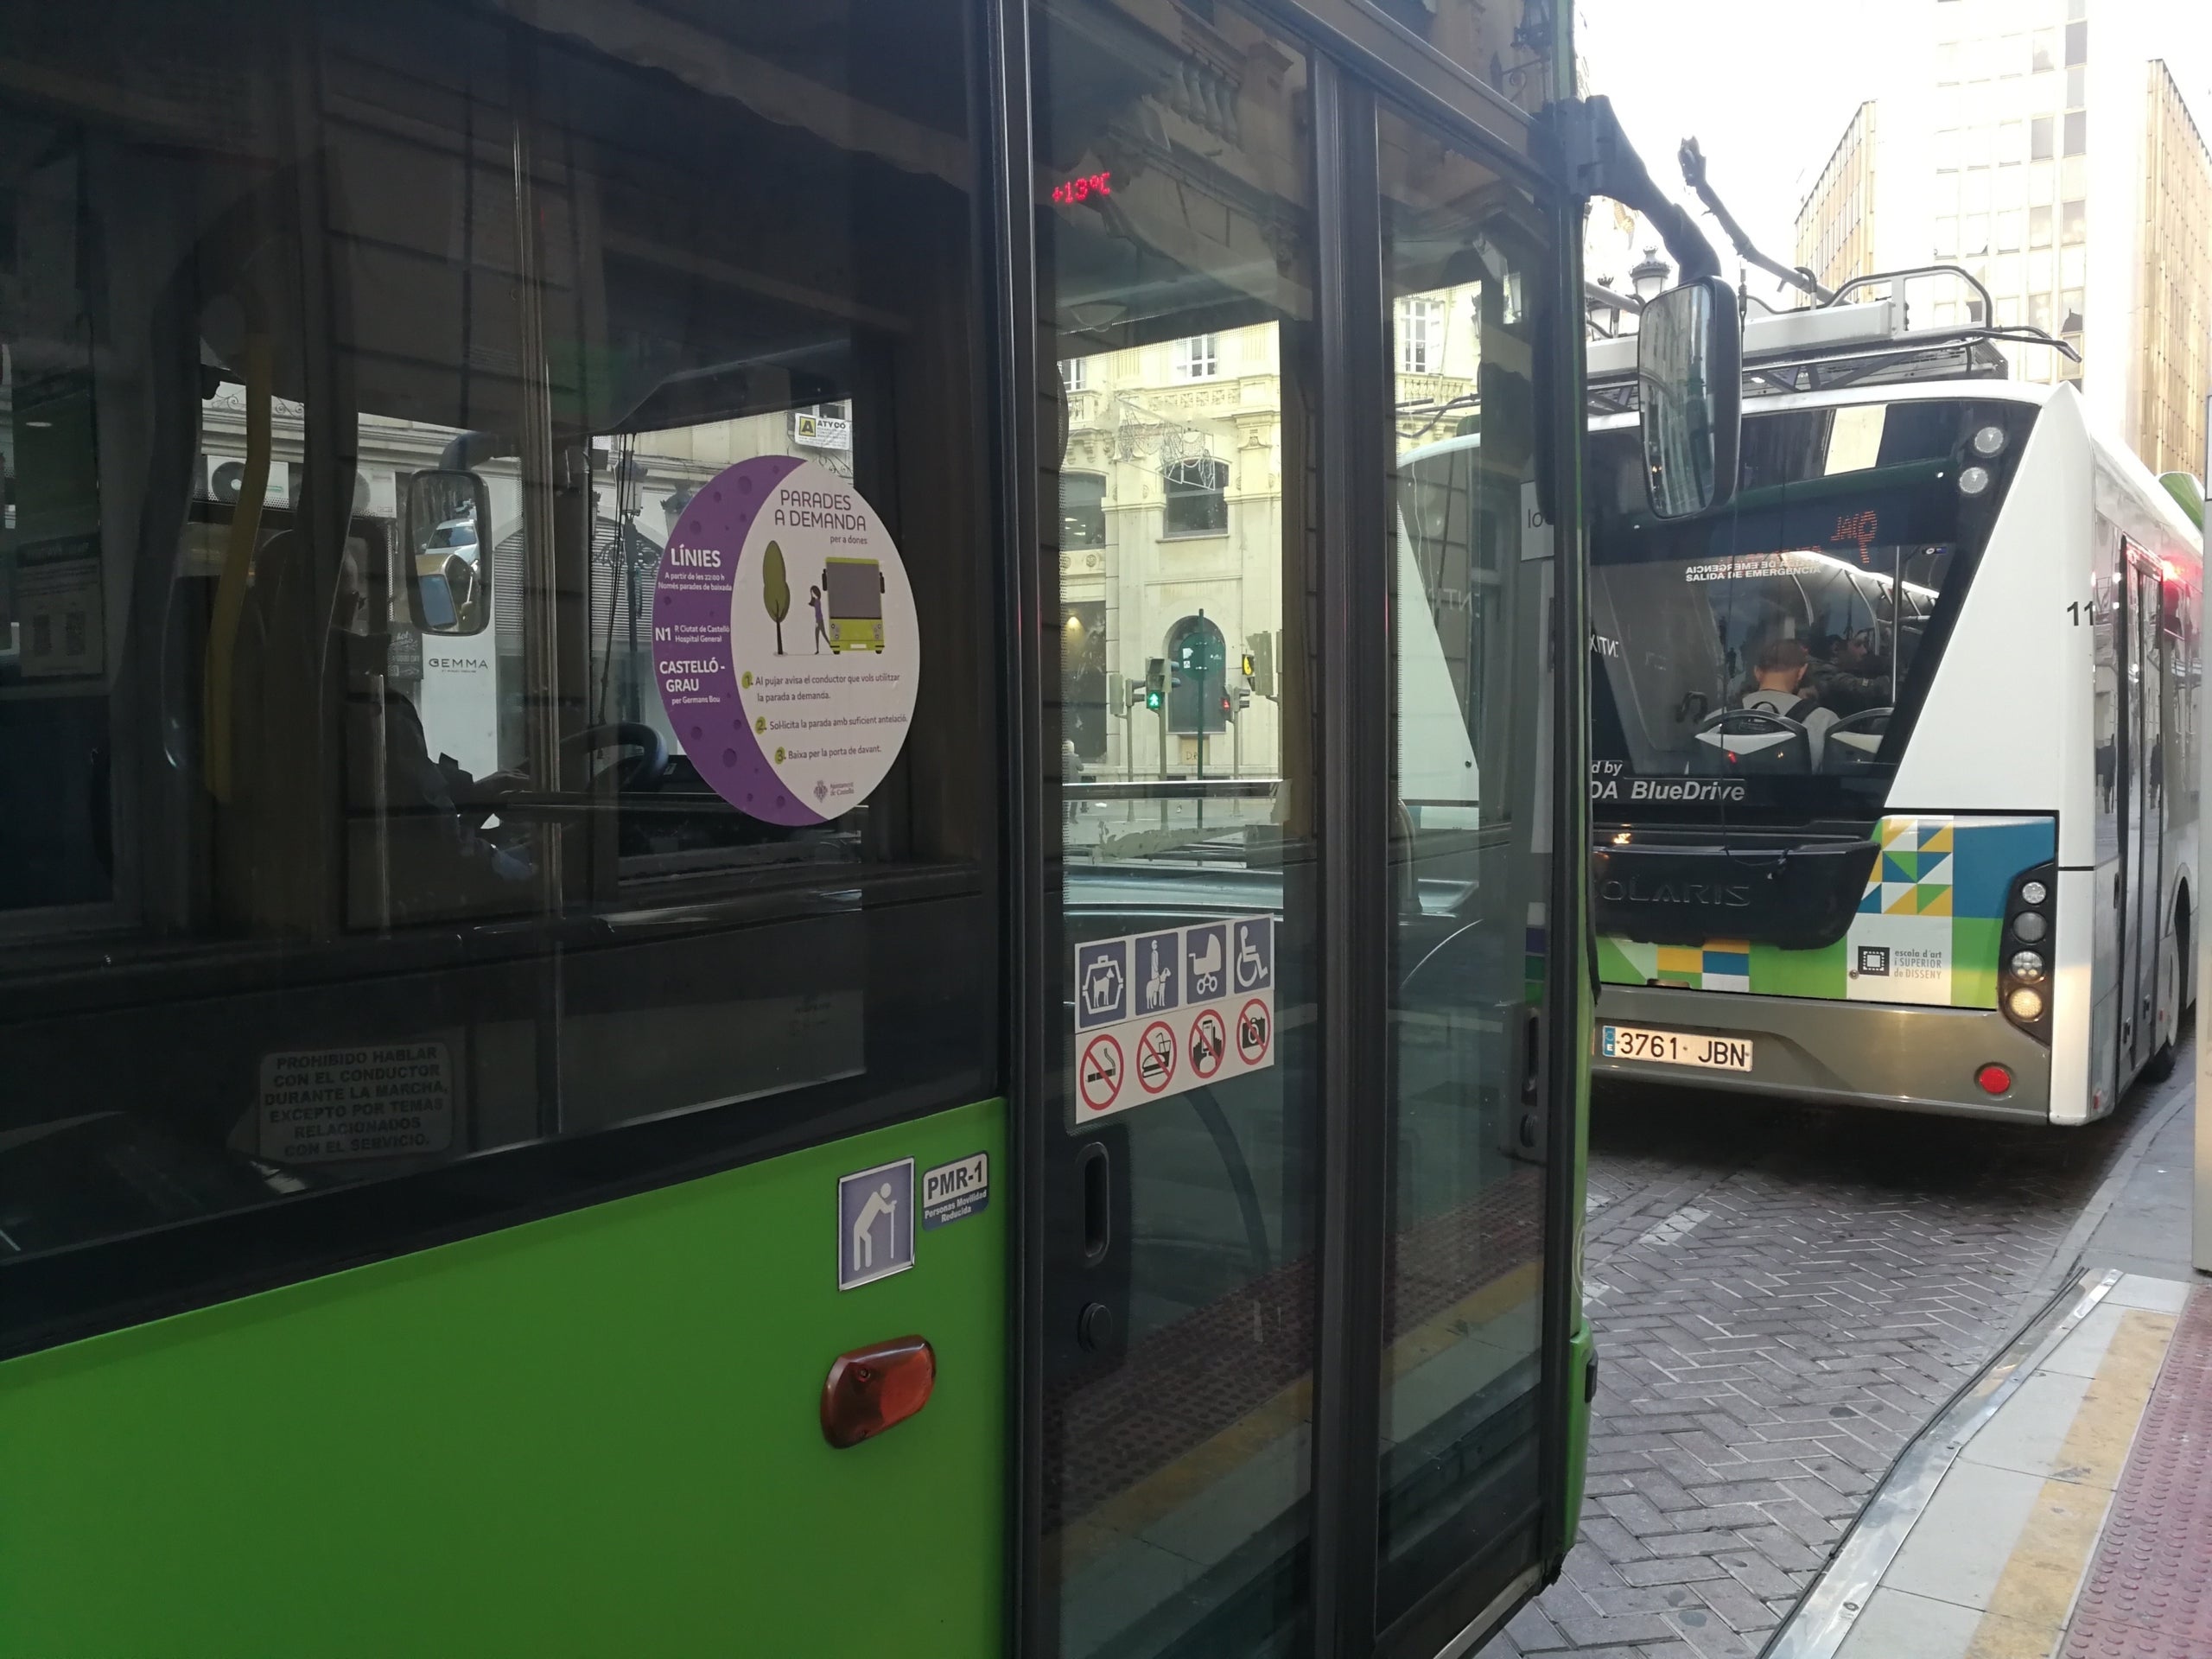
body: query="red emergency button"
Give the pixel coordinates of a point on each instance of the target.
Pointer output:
(871, 1389)
(1994, 1078)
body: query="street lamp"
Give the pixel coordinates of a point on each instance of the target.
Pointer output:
(1647, 276)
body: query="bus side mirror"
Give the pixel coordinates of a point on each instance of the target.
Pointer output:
(448, 566)
(1689, 373)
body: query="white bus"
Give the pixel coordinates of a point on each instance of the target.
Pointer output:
(1894, 772)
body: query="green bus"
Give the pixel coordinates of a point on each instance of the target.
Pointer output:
(491, 1165)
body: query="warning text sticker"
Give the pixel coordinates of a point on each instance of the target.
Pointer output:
(390, 1100)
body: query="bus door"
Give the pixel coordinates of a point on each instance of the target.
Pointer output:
(1299, 1357)
(479, 1041)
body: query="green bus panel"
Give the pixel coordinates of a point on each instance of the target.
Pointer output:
(594, 1435)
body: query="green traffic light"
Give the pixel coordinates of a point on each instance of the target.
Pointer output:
(1152, 700)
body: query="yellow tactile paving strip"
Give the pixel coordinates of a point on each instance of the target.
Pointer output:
(2027, 1611)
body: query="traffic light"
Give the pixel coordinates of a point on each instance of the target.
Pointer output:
(1155, 683)
(1260, 662)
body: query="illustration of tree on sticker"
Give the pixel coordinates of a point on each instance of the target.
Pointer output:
(775, 592)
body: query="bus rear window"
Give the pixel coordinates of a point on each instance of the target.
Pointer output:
(1770, 659)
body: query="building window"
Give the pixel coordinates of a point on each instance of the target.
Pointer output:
(1420, 334)
(1198, 356)
(2070, 312)
(1947, 238)
(2045, 49)
(2039, 312)
(2041, 136)
(2008, 232)
(2038, 227)
(1197, 501)
(2073, 224)
(1082, 510)
(1075, 373)
(2077, 88)
(2077, 132)
(2077, 44)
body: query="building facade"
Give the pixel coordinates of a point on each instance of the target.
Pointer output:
(1174, 473)
(2047, 149)
(1835, 226)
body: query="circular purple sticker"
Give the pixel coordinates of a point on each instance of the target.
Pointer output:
(784, 640)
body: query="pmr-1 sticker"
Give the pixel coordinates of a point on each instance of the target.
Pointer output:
(956, 1191)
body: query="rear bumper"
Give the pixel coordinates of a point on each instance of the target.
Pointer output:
(1851, 1053)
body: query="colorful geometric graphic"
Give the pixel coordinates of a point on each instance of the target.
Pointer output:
(1913, 876)
(1926, 930)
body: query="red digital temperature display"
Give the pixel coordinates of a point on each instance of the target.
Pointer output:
(1074, 190)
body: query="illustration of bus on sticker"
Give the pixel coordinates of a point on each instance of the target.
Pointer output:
(853, 589)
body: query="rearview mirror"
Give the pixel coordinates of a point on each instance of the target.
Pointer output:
(1690, 372)
(449, 566)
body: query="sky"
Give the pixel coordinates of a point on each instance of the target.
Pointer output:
(1765, 86)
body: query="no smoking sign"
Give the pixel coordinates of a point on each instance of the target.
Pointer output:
(1099, 1075)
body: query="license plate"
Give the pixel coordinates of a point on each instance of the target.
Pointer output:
(1674, 1048)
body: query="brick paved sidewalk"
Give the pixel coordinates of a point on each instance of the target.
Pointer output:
(1783, 1296)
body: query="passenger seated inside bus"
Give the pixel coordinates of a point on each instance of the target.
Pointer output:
(1846, 675)
(1778, 676)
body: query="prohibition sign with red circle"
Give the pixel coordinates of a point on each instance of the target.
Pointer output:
(1209, 1042)
(1100, 1074)
(1253, 1037)
(1156, 1057)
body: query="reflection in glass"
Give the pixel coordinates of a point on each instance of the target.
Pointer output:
(1466, 258)
(1177, 1443)
(1511, 46)
(338, 647)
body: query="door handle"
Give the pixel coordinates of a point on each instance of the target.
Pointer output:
(1097, 1203)
(1532, 1055)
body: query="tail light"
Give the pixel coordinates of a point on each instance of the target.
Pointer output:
(2027, 960)
(871, 1388)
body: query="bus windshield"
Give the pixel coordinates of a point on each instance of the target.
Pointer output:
(1766, 661)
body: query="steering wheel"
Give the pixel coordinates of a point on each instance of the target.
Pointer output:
(639, 773)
